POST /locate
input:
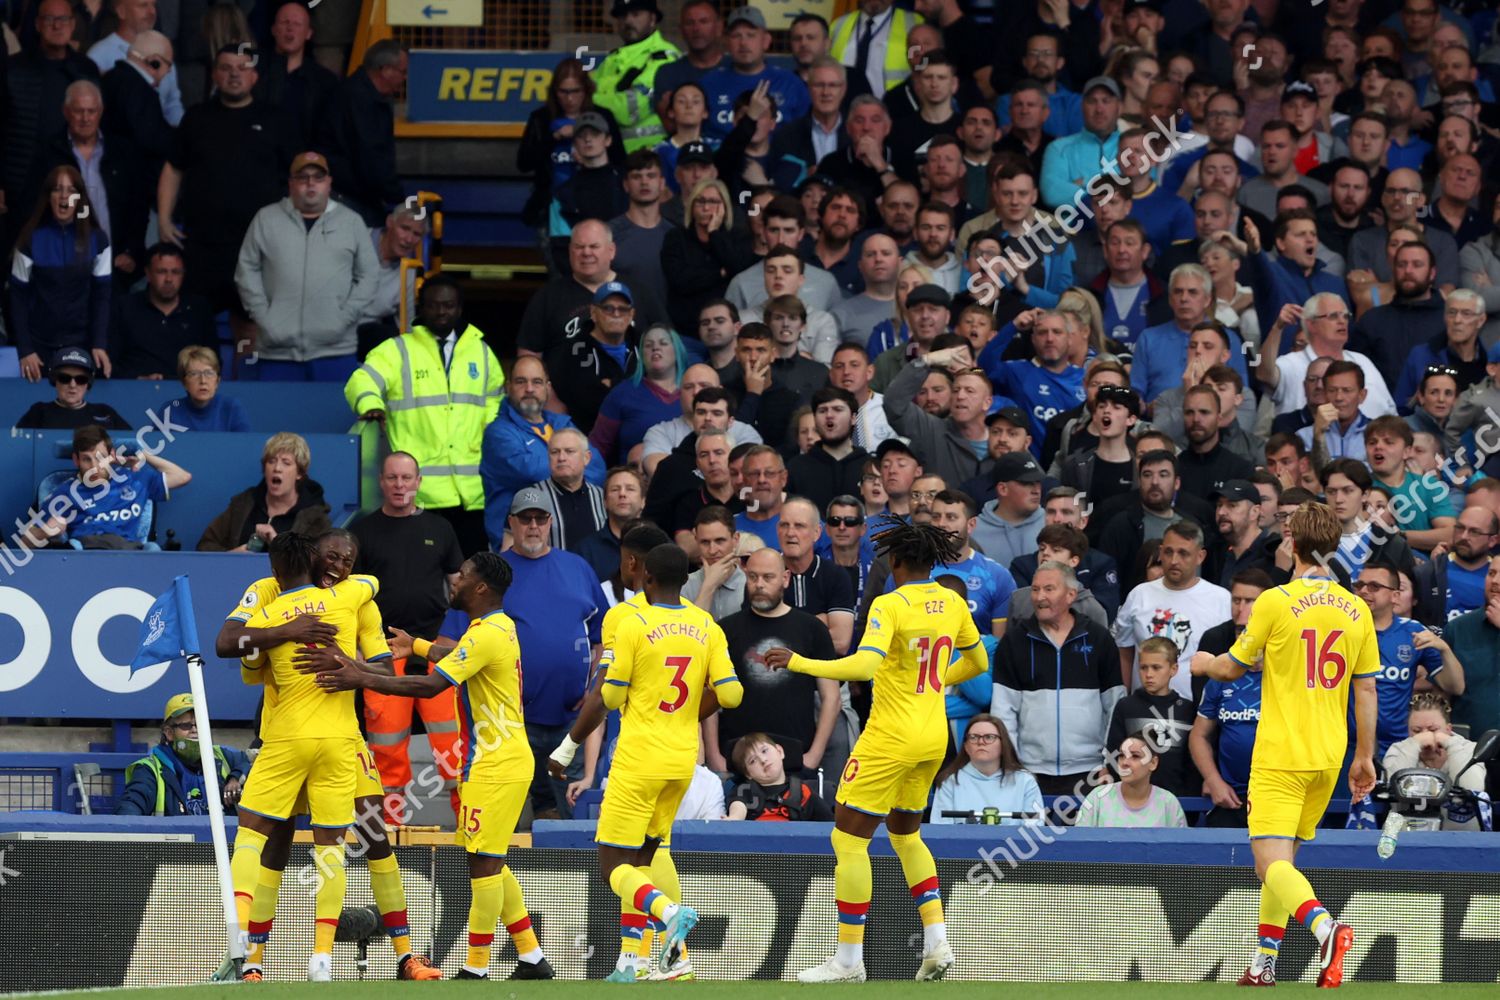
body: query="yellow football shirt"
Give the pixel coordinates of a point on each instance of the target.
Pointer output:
(661, 659)
(916, 629)
(370, 630)
(295, 706)
(1315, 637)
(485, 667)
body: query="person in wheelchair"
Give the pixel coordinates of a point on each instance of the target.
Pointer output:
(768, 792)
(1434, 744)
(107, 505)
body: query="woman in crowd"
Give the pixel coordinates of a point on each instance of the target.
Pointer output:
(1233, 304)
(60, 277)
(985, 774)
(546, 150)
(284, 500)
(648, 397)
(700, 258)
(687, 111)
(203, 409)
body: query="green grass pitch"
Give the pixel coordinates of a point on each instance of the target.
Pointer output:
(757, 990)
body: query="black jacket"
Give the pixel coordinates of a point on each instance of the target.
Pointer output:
(128, 189)
(698, 271)
(1096, 573)
(583, 372)
(359, 137)
(32, 114)
(1221, 565)
(133, 118)
(303, 96)
(145, 341)
(1431, 585)
(820, 477)
(1388, 334)
(1122, 536)
(793, 141)
(535, 156)
(1202, 474)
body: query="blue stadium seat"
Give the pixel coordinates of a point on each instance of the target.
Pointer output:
(53, 480)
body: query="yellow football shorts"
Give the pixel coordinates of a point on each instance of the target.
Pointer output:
(637, 808)
(488, 814)
(323, 772)
(366, 782)
(1288, 805)
(876, 784)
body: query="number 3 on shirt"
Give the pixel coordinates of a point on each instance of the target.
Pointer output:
(678, 665)
(930, 662)
(1319, 656)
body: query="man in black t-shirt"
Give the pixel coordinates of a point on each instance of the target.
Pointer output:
(416, 556)
(800, 707)
(71, 370)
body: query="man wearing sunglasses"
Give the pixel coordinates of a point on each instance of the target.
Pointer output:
(72, 372)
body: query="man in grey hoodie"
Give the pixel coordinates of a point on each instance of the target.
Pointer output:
(306, 271)
(1009, 524)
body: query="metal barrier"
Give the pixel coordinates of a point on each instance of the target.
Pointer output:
(76, 783)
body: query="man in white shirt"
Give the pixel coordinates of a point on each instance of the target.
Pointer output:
(135, 17)
(853, 371)
(1180, 606)
(663, 438)
(1325, 318)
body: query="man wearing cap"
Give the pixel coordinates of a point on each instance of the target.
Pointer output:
(595, 191)
(625, 81)
(229, 160)
(556, 603)
(1008, 525)
(596, 356)
(1073, 160)
(1242, 543)
(360, 132)
(1009, 430)
(71, 370)
(1315, 147)
(169, 780)
(1108, 469)
(748, 42)
(927, 317)
(306, 271)
(435, 390)
(957, 449)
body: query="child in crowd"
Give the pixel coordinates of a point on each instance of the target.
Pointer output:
(1434, 744)
(1132, 801)
(770, 793)
(1162, 715)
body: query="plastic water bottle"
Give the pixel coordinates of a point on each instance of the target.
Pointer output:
(1394, 824)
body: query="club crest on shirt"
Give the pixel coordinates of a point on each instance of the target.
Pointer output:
(1172, 625)
(128, 493)
(1405, 652)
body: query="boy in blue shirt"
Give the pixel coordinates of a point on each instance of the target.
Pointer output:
(103, 507)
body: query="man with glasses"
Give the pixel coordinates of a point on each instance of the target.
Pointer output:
(1452, 583)
(1390, 333)
(556, 603)
(71, 371)
(1455, 351)
(169, 780)
(1325, 320)
(153, 325)
(1042, 60)
(596, 354)
(1403, 200)
(137, 17)
(845, 541)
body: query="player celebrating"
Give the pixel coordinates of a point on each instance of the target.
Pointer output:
(311, 740)
(636, 928)
(907, 649)
(485, 667)
(337, 551)
(663, 658)
(1316, 638)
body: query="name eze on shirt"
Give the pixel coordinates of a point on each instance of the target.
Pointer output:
(1325, 598)
(667, 630)
(306, 608)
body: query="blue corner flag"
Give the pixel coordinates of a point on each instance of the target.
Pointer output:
(169, 629)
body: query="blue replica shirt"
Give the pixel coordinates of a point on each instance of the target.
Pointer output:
(1465, 588)
(764, 530)
(1235, 706)
(1399, 659)
(724, 84)
(1043, 394)
(557, 606)
(990, 586)
(1167, 218)
(115, 508)
(1161, 358)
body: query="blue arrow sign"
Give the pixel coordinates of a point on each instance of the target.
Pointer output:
(430, 11)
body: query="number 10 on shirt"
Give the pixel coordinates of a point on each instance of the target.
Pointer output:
(930, 660)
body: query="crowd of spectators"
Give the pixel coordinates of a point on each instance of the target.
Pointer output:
(1108, 290)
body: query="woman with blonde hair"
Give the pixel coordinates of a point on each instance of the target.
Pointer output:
(285, 499)
(701, 257)
(891, 332)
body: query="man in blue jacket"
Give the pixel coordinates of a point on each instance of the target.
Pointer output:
(169, 781)
(514, 452)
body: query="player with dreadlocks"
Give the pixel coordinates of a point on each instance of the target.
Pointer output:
(908, 650)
